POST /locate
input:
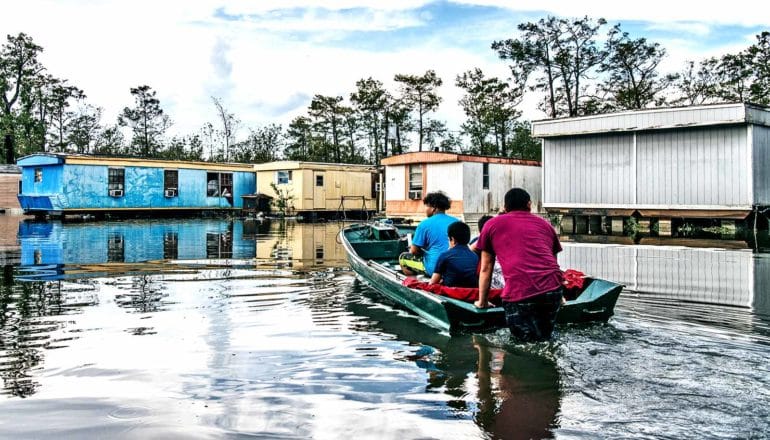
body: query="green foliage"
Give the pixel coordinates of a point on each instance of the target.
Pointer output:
(147, 121)
(419, 94)
(282, 202)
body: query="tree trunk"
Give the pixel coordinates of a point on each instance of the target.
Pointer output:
(10, 154)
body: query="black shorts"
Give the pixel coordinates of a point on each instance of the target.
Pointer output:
(533, 318)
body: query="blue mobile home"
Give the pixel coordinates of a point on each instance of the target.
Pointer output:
(58, 184)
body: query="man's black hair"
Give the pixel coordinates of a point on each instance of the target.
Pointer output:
(483, 220)
(460, 232)
(516, 199)
(437, 200)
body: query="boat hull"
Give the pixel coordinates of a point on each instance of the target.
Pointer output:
(595, 304)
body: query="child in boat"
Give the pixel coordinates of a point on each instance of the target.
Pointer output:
(457, 266)
(498, 281)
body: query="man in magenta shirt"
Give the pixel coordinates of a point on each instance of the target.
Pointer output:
(526, 246)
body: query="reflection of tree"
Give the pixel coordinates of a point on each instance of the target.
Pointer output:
(23, 335)
(144, 296)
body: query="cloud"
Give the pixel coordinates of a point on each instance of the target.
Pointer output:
(740, 12)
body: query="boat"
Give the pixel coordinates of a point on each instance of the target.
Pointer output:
(373, 248)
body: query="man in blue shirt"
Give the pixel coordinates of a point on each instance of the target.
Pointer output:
(430, 239)
(457, 266)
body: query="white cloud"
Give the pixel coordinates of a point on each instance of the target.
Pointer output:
(740, 12)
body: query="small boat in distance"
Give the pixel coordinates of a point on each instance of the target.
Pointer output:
(372, 250)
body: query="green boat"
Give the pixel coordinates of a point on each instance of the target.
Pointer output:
(373, 249)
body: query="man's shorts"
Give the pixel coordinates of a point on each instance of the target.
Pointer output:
(411, 262)
(533, 318)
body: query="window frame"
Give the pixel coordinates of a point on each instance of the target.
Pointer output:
(415, 185)
(116, 180)
(317, 182)
(170, 183)
(485, 175)
(38, 176)
(283, 177)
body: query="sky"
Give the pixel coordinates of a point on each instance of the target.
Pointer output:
(266, 59)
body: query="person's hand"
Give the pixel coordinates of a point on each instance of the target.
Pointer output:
(481, 305)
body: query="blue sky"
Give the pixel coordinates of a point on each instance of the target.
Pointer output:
(266, 59)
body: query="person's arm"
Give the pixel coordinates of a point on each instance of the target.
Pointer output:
(436, 278)
(485, 278)
(415, 250)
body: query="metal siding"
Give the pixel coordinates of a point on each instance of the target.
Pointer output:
(651, 119)
(761, 164)
(693, 167)
(588, 169)
(475, 199)
(446, 177)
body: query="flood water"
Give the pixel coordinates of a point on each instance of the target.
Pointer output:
(228, 329)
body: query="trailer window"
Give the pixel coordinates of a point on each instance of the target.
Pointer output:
(283, 177)
(415, 182)
(116, 179)
(171, 183)
(485, 176)
(38, 174)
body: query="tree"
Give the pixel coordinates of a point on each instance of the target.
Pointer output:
(111, 141)
(420, 94)
(84, 128)
(490, 105)
(523, 145)
(328, 114)
(230, 125)
(61, 117)
(398, 116)
(147, 121)
(563, 52)
(633, 81)
(299, 136)
(760, 58)
(696, 86)
(19, 65)
(370, 101)
(262, 145)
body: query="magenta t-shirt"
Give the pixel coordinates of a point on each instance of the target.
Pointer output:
(526, 247)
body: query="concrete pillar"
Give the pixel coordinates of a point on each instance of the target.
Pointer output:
(616, 225)
(581, 224)
(568, 224)
(729, 228)
(644, 226)
(594, 224)
(664, 227)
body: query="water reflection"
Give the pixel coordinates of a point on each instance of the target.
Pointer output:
(508, 391)
(218, 328)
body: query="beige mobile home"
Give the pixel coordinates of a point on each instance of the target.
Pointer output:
(321, 188)
(475, 184)
(10, 180)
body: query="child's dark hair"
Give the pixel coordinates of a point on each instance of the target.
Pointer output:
(437, 200)
(483, 220)
(460, 232)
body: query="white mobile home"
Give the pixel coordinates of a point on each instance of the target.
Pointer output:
(703, 161)
(475, 184)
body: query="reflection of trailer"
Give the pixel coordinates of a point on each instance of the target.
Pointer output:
(716, 276)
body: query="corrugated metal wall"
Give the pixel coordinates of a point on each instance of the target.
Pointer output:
(502, 177)
(646, 119)
(591, 170)
(682, 168)
(395, 182)
(761, 164)
(705, 166)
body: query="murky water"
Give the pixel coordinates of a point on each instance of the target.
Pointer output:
(219, 329)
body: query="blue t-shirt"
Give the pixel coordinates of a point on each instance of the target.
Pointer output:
(457, 267)
(431, 236)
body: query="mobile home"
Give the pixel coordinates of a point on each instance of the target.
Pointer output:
(59, 184)
(320, 188)
(475, 184)
(10, 178)
(707, 161)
